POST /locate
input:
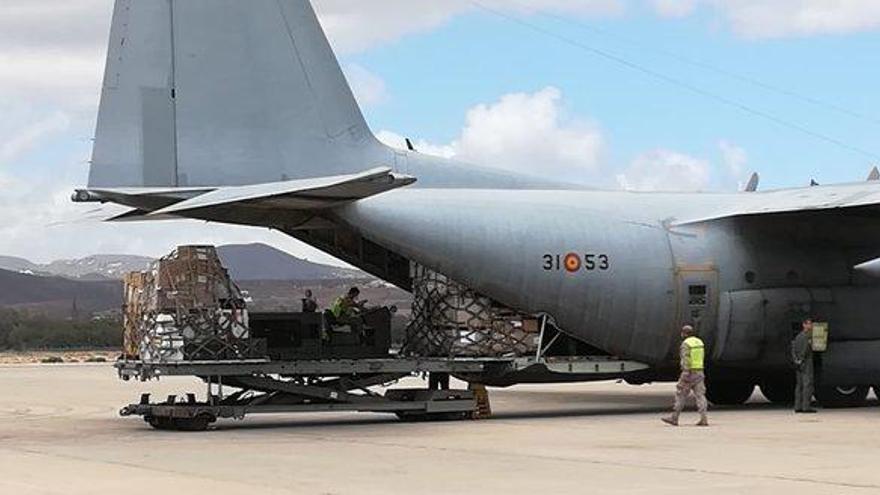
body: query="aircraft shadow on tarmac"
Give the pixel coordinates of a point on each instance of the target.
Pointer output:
(579, 406)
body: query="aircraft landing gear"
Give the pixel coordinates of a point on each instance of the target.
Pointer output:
(728, 393)
(842, 396)
(779, 390)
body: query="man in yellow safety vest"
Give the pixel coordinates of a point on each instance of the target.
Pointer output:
(346, 310)
(692, 379)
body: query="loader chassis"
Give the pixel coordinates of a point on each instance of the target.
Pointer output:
(271, 387)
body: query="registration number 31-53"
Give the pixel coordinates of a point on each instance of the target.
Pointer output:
(573, 262)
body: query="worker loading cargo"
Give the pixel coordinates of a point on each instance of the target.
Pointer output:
(346, 311)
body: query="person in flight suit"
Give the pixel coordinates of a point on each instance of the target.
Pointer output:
(802, 357)
(692, 379)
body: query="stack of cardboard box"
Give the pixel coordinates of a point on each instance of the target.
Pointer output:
(184, 308)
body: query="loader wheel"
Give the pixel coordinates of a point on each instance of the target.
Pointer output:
(160, 423)
(418, 417)
(834, 397)
(729, 393)
(779, 390)
(199, 423)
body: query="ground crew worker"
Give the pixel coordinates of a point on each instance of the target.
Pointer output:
(309, 304)
(346, 309)
(692, 378)
(802, 357)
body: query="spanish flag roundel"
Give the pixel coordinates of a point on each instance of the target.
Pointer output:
(572, 262)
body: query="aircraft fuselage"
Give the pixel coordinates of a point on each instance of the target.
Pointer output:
(614, 270)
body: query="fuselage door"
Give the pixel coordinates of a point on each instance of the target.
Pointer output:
(698, 300)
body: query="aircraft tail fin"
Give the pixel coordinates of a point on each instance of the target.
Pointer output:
(225, 93)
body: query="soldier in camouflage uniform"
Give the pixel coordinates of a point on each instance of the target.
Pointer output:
(802, 357)
(692, 378)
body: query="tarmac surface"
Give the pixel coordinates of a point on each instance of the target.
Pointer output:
(60, 434)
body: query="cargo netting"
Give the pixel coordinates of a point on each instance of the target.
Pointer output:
(451, 320)
(186, 308)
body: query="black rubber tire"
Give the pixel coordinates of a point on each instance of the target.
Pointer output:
(161, 423)
(199, 423)
(779, 391)
(417, 417)
(833, 397)
(729, 393)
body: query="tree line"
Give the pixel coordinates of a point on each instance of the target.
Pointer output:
(22, 331)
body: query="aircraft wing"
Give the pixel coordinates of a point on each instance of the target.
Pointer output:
(861, 199)
(843, 216)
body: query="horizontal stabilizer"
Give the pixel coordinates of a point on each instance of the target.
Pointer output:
(304, 195)
(871, 267)
(138, 215)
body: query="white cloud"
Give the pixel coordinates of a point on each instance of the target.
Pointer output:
(54, 23)
(674, 8)
(734, 158)
(16, 141)
(524, 132)
(397, 141)
(665, 170)
(355, 26)
(781, 18)
(368, 88)
(761, 19)
(530, 133)
(53, 51)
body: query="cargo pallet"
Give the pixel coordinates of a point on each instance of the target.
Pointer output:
(273, 387)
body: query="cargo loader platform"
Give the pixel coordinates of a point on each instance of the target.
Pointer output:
(274, 387)
(187, 317)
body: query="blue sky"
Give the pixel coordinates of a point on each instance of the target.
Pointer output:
(434, 78)
(463, 81)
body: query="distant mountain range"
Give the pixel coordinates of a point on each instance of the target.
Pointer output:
(262, 262)
(57, 295)
(244, 261)
(274, 278)
(97, 267)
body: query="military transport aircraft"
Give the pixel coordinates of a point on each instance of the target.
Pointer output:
(238, 112)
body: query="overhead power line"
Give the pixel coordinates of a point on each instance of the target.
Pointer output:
(772, 88)
(680, 83)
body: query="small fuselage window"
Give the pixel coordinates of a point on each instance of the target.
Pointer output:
(698, 295)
